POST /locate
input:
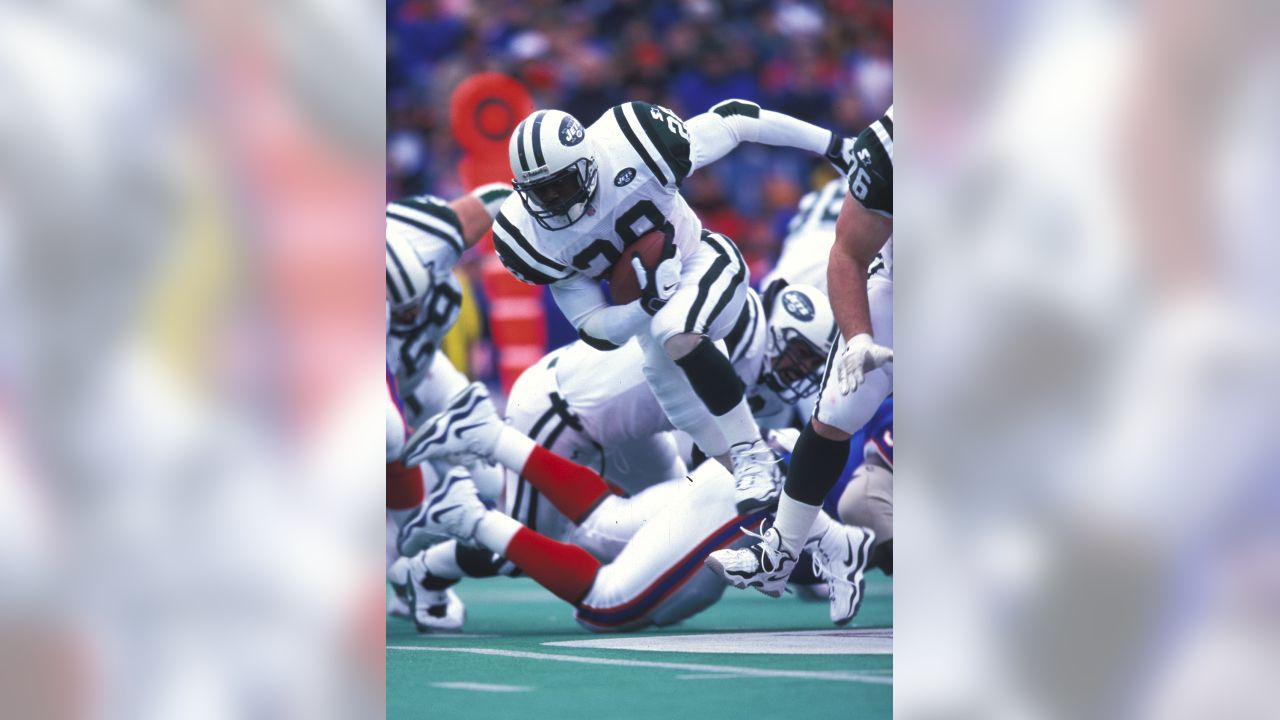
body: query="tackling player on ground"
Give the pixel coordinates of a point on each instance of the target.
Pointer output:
(863, 230)
(645, 565)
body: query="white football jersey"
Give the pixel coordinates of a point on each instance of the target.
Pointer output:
(433, 230)
(642, 156)
(607, 390)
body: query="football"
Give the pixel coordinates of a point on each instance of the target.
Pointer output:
(623, 285)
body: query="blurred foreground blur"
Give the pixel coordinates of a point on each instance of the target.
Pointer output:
(190, 492)
(1087, 349)
(1087, 380)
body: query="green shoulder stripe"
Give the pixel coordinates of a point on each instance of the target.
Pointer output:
(736, 107)
(667, 133)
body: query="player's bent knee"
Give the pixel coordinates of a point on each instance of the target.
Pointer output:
(830, 432)
(681, 344)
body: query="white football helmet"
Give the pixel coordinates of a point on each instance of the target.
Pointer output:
(802, 328)
(408, 284)
(554, 165)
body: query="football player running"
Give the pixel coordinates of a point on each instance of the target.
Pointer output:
(861, 363)
(425, 237)
(654, 572)
(585, 194)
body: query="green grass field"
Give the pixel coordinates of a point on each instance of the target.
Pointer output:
(503, 666)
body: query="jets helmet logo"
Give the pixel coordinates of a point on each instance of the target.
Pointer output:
(571, 132)
(625, 176)
(797, 305)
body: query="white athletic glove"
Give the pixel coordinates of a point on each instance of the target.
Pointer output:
(861, 355)
(658, 284)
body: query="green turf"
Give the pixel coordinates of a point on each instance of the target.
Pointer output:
(518, 615)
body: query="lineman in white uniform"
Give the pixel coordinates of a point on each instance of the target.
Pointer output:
(805, 250)
(586, 194)
(859, 373)
(425, 237)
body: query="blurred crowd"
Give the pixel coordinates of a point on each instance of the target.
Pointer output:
(829, 63)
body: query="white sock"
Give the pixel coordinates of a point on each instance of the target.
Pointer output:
(495, 530)
(738, 425)
(442, 560)
(513, 449)
(821, 522)
(793, 521)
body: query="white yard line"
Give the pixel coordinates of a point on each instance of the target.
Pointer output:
(832, 641)
(834, 675)
(481, 687)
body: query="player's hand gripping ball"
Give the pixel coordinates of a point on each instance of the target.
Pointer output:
(648, 271)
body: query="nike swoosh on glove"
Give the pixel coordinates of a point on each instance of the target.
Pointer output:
(659, 283)
(861, 355)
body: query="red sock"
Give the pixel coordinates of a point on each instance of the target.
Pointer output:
(404, 486)
(574, 490)
(566, 570)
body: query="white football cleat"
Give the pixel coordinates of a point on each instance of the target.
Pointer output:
(438, 610)
(465, 431)
(756, 479)
(840, 558)
(398, 578)
(452, 510)
(398, 604)
(764, 566)
(432, 610)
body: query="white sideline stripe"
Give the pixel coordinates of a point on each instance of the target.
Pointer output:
(833, 641)
(480, 687)
(835, 675)
(452, 634)
(537, 595)
(708, 676)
